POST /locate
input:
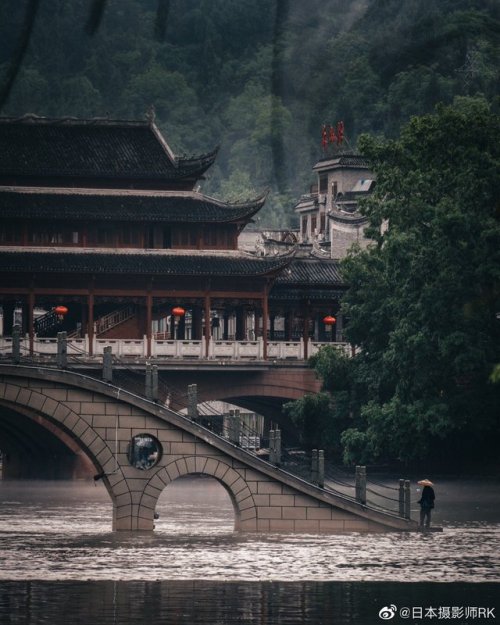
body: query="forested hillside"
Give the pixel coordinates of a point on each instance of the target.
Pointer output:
(257, 77)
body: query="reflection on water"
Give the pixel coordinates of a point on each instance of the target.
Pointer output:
(229, 603)
(59, 561)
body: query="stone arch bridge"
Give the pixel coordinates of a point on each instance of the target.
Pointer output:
(98, 421)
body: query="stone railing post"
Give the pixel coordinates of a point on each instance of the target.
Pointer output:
(401, 498)
(272, 446)
(192, 407)
(107, 364)
(314, 466)
(276, 447)
(16, 344)
(321, 468)
(361, 484)
(407, 500)
(62, 350)
(149, 382)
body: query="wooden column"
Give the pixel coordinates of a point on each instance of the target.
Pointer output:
(225, 332)
(288, 325)
(197, 323)
(149, 320)
(207, 324)
(90, 319)
(265, 315)
(305, 332)
(31, 324)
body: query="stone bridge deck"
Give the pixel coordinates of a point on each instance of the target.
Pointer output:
(101, 420)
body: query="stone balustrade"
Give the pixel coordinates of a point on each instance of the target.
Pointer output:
(166, 349)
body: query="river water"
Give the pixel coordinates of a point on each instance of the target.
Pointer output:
(60, 562)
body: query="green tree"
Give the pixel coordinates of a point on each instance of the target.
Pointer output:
(423, 297)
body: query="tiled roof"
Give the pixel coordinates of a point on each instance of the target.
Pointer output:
(138, 263)
(39, 147)
(311, 272)
(82, 204)
(348, 159)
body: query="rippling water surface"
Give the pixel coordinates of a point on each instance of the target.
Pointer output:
(58, 537)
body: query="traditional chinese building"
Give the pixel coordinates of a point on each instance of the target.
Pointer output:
(329, 214)
(101, 226)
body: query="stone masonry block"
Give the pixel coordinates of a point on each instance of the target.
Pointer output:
(243, 494)
(124, 501)
(62, 411)
(304, 500)
(249, 513)
(356, 525)
(113, 408)
(148, 501)
(281, 525)
(319, 513)
(126, 421)
(71, 420)
(92, 408)
(80, 427)
(250, 525)
(172, 471)
(282, 500)
(183, 449)
(60, 394)
(145, 524)
(221, 471)
(121, 487)
(124, 510)
(238, 486)
(255, 476)
(211, 466)
(23, 397)
(101, 421)
(79, 395)
(334, 525)
(156, 482)
(49, 406)
(230, 477)
(200, 462)
(262, 500)
(269, 513)
(36, 400)
(191, 464)
(294, 512)
(182, 466)
(138, 483)
(11, 392)
(263, 525)
(203, 449)
(173, 436)
(248, 502)
(269, 488)
(308, 526)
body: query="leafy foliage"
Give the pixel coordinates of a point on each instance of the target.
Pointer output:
(423, 297)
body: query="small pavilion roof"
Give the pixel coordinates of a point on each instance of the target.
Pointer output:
(134, 262)
(121, 205)
(39, 147)
(311, 272)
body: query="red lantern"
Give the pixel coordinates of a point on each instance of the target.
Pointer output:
(329, 320)
(178, 311)
(61, 310)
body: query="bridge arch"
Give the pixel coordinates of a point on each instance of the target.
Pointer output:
(239, 493)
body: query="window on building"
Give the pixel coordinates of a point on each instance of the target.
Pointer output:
(335, 189)
(323, 183)
(303, 228)
(314, 223)
(322, 222)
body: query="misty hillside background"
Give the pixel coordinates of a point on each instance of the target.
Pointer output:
(257, 77)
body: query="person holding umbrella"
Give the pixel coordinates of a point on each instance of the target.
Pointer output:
(426, 502)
